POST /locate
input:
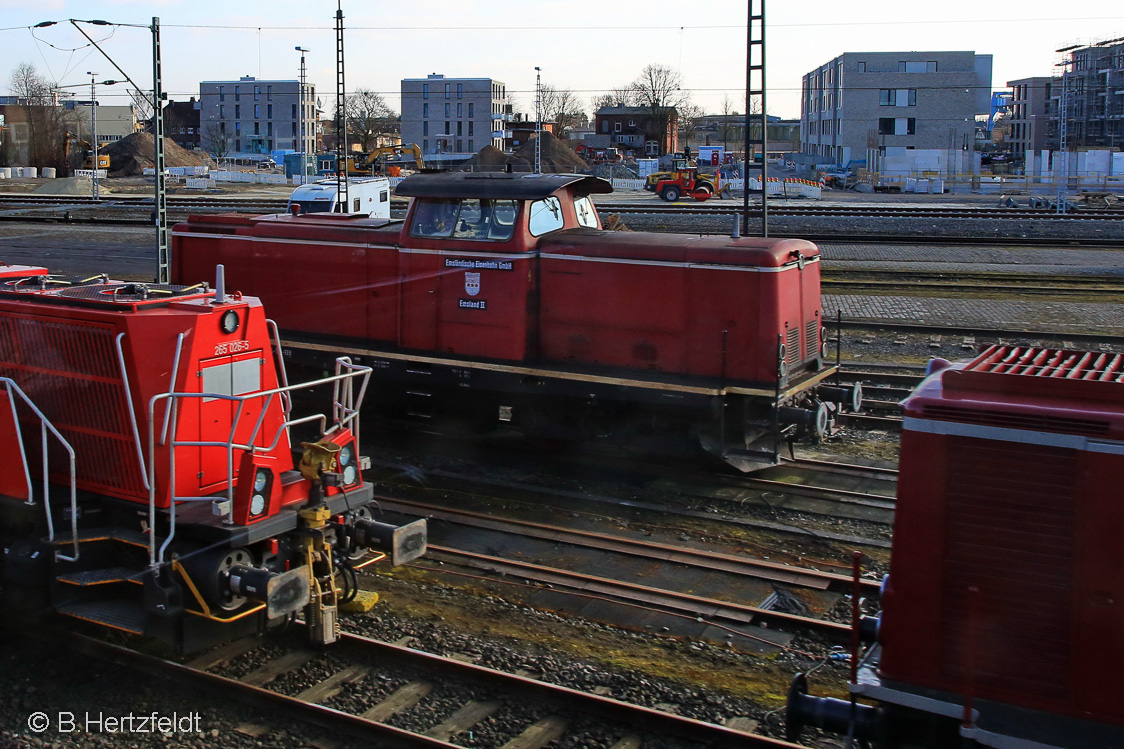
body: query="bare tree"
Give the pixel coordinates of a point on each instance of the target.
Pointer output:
(46, 125)
(621, 96)
(560, 107)
(728, 126)
(215, 140)
(657, 90)
(689, 115)
(369, 118)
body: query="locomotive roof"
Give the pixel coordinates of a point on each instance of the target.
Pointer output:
(497, 185)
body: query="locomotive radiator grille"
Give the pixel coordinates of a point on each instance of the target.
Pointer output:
(811, 338)
(792, 346)
(1010, 534)
(70, 371)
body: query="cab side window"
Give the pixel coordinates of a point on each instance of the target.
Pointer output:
(587, 214)
(545, 216)
(434, 218)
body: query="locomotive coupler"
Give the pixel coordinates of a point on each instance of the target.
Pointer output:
(863, 722)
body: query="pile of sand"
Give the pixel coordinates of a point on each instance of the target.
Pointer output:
(556, 157)
(134, 153)
(67, 186)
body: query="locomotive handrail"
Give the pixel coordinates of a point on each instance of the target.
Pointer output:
(345, 410)
(45, 425)
(172, 386)
(278, 355)
(132, 411)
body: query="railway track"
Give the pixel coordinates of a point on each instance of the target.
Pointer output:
(391, 681)
(265, 205)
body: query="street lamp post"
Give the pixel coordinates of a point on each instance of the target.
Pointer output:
(94, 124)
(301, 113)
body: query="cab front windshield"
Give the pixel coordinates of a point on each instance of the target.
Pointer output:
(464, 218)
(312, 206)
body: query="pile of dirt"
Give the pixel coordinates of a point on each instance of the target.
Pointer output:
(556, 157)
(131, 155)
(66, 186)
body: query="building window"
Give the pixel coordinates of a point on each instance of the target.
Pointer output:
(460, 93)
(460, 146)
(911, 126)
(425, 128)
(222, 93)
(269, 111)
(460, 110)
(460, 129)
(446, 90)
(446, 110)
(269, 93)
(257, 90)
(913, 97)
(294, 129)
(425, 146)
(471, 148)
(632, 123)
(269, 128)
(222, 111)
(425, 90)
(931, 66)
(257, 111)
(616, 127)
(294, 111)
(237, 111)
(447, 130)
(425, 110)
(470, 129)
(885, 125)
(257, 128)
(237, 93)
(917, 66)
(237, 144)
(887, 97)
(470, 110)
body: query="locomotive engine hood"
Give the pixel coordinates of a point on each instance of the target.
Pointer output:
(701, 249)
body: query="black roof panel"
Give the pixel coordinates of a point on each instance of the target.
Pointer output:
(497, 185)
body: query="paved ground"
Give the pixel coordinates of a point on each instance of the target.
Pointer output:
(1047, 317)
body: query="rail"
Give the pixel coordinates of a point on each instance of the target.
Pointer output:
(45, 426)
(345, 410)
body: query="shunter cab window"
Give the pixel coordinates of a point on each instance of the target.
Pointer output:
(545, 216)
(587, 214)
(470, 218)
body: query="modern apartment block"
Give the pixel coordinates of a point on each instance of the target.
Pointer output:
(878, 100)
(249, 116)
(1090, 95)
(1029, 114)
(454, 115)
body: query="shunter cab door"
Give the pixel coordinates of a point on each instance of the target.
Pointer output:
(231, 374)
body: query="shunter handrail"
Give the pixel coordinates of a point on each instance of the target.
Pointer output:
(45, 426)
(345, 410)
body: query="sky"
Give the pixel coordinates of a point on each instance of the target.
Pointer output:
(584, 47)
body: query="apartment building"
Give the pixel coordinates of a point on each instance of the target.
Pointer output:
(1090, 94)
(454, 116)
(878, 100)
(1029, 114)
(247, 116)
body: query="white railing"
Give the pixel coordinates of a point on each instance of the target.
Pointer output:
(179, 171)
(102, 173)
(45, 427)
(345, 412)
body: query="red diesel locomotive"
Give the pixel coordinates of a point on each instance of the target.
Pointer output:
(500, 299)
(1004, 608)
(149, 483)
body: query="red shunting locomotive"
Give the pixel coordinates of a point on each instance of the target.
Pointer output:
(149, 481)
(1004, 606)
(500, 299)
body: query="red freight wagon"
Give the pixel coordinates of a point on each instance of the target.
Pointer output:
(1005, 595)
(501, 298)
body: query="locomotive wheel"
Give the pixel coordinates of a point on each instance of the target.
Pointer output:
(670, 194)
